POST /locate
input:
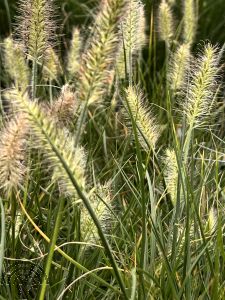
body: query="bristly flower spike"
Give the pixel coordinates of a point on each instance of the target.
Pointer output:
(52, 67)
(133, 36)
(101, 54)
(13, 154)
(165, 22)
(73, 59)
(65, 107)
(15, 63)
(55, 143)
(178, 67)
(201, 92)
(171, 174)
(36, 30)
(190, 21)
(36, 26)
(202, 86)
(147, 127)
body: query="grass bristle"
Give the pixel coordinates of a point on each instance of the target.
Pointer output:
(165, 22)
(36, 26)
(202, 87)
(100, 56)
(147, 127)
(13, 143)
(133, 37)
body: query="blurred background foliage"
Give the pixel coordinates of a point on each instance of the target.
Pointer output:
(77, 12)
(70, 13)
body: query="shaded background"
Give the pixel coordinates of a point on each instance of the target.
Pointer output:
(75, 12)
(70, 13)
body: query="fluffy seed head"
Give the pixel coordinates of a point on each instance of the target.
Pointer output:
(57, 144)
(36, 27)
(12, 154)
(77, 155)
(15, 63)
(64, 108)
(101, 54)
(133, 35)
(73, 62)
(201, 91)
(190, 21)
(147, 127)
(171, 174)
(165, 22)
(178, 67)
(51, 67)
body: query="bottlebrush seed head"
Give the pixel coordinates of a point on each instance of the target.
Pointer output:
(202, 86)
(165, 22)
(178, 67)
(13, 153)
(51, 66)
(190, 21)
(133, 36)
(36, 26)
(171, 174)
(56, 143)
(147, 127)
(15, 63)
(98, 60)
(64, 108)
(73, 59)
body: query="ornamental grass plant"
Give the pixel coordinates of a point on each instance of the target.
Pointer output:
(112, 154)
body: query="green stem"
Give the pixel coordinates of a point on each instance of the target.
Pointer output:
(8, 14)
(13, 255)
(81, 120)
(144, 244)
(187, 143)
(34, 78)
(52, 248)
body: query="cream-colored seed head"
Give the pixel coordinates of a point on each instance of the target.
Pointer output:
(55, 142)
(147, 127)
(13, 154)
(73, 59)
(65, 107)
(178, 67)
(202, 87)
(101, 54)
(36, 27)
(190, 21)
(165, 22)
(212, 220)
(171, 174)
(77, 156)
(133, 36)
(15, 63)
(51, 67)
